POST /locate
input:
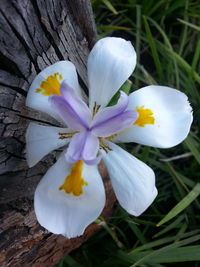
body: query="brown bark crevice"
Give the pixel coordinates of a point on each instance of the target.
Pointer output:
(33, 35)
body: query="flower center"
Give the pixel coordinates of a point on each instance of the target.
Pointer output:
(74, 182)
(51, 85)
(145, 116)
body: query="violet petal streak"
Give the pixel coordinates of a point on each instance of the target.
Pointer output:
(91, 147)
(112, 111)
(71, 108)
(75, 148)
(115, 124)
(113, 119)
(83, 146)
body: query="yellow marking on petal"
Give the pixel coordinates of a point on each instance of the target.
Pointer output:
(74, 181)
(145, 116)
(111, 136)
(51, 85)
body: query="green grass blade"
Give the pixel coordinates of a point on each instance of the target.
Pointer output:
(153, 47)
(181, 61)
(110, 6)
(170, 227)
(172, 255)
(185, 254)
(168, 44)
(184, 34)
(114, 27)
(136, 230)
(162, 241)
(184, 203)
(148, 256)
(138, 39)
(193, 26)
(192, 147)
(175, 175)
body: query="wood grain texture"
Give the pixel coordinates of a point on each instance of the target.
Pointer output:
(33, 35)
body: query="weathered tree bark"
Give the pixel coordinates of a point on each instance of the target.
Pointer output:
(33, 35)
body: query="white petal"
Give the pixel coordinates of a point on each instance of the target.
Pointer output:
(172, 113)
(65, 214)
(41, 140)
(110, 63)
(39, 101)
(133, 181)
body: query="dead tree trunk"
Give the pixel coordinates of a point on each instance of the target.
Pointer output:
(33, 35)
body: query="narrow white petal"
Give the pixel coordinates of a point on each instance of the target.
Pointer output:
(41, 140)
(133, 181)
(40, 101)
(63, 213)
(172, 113)
(110, 63)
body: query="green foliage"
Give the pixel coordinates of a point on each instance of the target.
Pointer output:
(166, 38)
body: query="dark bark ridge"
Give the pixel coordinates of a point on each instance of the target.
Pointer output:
(33, 35)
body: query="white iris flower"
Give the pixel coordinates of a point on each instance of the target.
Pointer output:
(71, 194)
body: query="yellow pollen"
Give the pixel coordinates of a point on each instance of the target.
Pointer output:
(51, 85)
(74, 182)
(145, 116)
(111, 136)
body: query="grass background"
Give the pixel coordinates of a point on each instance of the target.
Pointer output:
(166, 36)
